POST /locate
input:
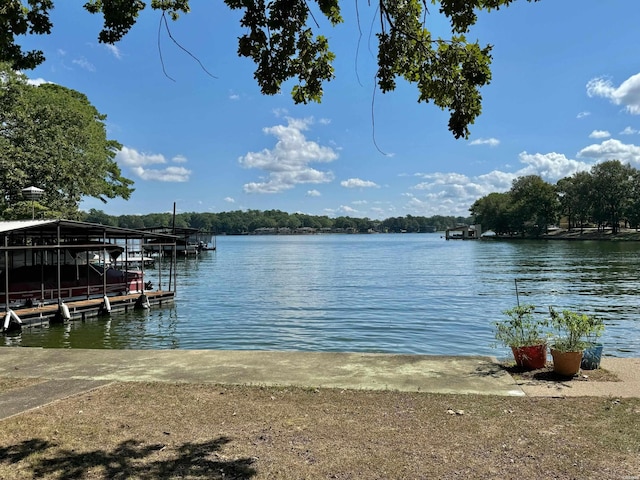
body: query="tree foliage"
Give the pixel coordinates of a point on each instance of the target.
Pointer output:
(52, 137)
(536, 204)
(494, 212)
(607, 196)
(528, 208)
(611, 185)
(576, 201)
(275, 221)
(18, 19)
(281, 40)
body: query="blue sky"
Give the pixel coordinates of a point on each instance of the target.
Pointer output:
(565, 95)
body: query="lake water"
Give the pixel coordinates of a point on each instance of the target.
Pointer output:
(396, 293)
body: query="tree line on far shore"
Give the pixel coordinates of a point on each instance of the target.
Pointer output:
(607, 196)
(273, 221)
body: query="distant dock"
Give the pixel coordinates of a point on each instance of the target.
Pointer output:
(463, 232)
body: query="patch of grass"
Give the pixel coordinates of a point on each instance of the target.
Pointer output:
(154, 430)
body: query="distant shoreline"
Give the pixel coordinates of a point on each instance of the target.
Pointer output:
(623, 235)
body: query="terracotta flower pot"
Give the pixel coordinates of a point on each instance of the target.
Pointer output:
(531, 357)
(566, 364)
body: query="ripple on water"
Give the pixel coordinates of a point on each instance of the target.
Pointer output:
(370, 293)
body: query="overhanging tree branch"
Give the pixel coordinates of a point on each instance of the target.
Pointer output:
(449, 73)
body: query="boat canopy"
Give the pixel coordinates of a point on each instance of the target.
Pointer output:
(41, 252)
(72, 228)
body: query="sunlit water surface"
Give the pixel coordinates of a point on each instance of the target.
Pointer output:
(411, 293)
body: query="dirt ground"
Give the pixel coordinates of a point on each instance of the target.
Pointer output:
(167, 431)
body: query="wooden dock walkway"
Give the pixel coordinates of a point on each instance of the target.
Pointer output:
(81, 309)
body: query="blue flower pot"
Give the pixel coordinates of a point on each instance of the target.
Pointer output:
(591, 357)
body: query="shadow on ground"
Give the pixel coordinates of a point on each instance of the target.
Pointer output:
(547, 374)
(131, 458)
(490, 370)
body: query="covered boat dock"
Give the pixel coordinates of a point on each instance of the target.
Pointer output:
(464, 232)
(60, 270)
(189, 241)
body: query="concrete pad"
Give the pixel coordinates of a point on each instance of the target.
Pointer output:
(626, 369)
(21, 400)
(418, 373)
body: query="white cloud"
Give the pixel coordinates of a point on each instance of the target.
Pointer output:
(451, 192)
(234, 96)
(132, 158)
(501, 181)
(288, 163)
(550, 166)
(492, 142)
(629, 131)
(599, 134)
(381, 213)
(169, 174)
(435, 204)
(583, 114)
(357, 183)
(36, 82)
(444, 178)
(229, 200)
(179, 159)
(115, 51)
(313, 193)
(612, 150)
(627, 94)
(84, 64)
(136, 162)
(455, 193)
(346, 209)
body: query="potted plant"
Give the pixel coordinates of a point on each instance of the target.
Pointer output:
(573, 330)
(526, 336)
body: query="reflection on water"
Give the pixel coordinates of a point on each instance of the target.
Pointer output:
(375, 293)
